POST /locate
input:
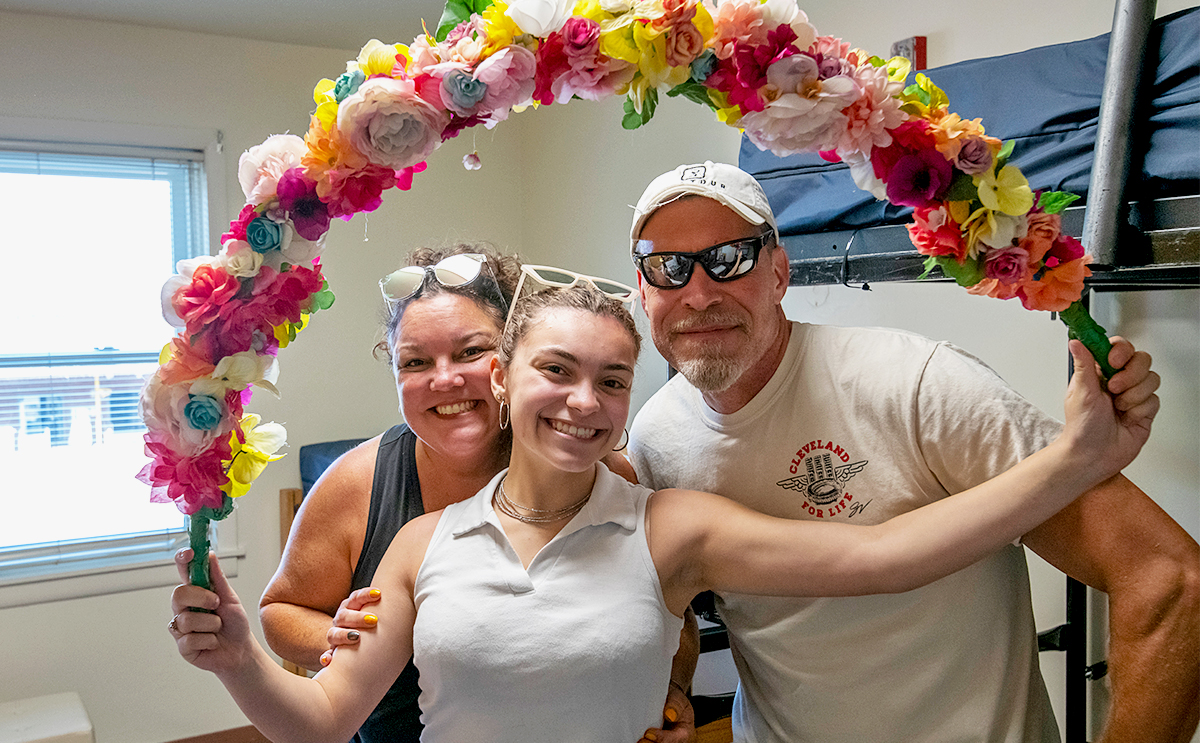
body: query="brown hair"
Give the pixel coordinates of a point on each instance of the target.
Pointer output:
(505, 268)
(579, 297)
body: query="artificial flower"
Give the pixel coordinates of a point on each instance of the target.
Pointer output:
(500, 29)
(985, 228)
(260, 167)
(389, 124)
(298, 197)
(1006, 265)
(540, 17)
(934, 232)
(919, 178)
(191, 482)
(201, 300)
(1057, 288)
(203, 412)
(995, 289)
(871, 116)
(471, 161)
(264, 234)
(181, 362)
(179, 280)
(976, 155)
(1063, 250)
(863, 173)
(404, 176)
(237, 372)
(164, 411)
(376, 59)
(1007, 191)
(509, 79)
(252, 451)
(807, 114)
(239, 259)
(237, 228)
(461, 92)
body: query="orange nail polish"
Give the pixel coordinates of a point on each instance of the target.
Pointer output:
(370, 619)
(375, 593)
(671, 714)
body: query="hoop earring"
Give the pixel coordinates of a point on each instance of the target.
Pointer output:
(503, 415)
(625, 435)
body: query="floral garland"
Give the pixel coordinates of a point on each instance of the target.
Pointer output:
(760, 66)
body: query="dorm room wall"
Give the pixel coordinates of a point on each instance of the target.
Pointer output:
(556, 184)
(114, 649)
(578, 210)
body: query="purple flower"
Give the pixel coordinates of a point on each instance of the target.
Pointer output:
(919, 178)
(1007, 265)
(974, 157)
(298, 197)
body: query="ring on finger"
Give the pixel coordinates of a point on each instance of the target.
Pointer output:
(174, 625)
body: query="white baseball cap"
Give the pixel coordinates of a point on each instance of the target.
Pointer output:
(727, 184)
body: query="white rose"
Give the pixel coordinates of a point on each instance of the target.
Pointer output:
(540, 17)
(239, 259)
(260, 167)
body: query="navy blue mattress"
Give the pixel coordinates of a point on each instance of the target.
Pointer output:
(1047, 100)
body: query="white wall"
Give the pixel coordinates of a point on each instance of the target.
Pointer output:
(556, 185)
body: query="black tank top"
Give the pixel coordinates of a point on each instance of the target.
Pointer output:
(395, 500)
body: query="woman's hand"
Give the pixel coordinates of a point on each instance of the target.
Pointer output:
(210, 627)
(1108, 430)
(349, 620)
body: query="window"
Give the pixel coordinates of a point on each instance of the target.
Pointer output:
(91, 234)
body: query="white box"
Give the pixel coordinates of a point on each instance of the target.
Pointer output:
(55, 718)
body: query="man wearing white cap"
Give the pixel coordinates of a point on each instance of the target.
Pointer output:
(859, 425)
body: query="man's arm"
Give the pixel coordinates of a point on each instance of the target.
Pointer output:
(1117, 540)
(679, 724)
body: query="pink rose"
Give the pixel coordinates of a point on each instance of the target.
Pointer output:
(260, 167)
(509, 77)
(1007, 265)
(389, 124)
(581, 37)
(684, 44)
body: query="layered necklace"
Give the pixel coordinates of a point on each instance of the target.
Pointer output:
(536, 515)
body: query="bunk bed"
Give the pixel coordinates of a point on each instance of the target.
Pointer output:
(1114, 119)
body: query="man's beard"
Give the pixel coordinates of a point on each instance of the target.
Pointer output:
(712, 373)
(712, 369)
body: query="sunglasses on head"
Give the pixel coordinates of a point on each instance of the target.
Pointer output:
(548, 276)
(406, 283)
(724, 262)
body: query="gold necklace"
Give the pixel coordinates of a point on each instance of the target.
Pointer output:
(539, 516)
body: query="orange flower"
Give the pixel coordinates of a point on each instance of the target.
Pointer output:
(185, 363)
(949, 132)
(995, 289)
(1043, 230)
(328, 151)
(1058, 287)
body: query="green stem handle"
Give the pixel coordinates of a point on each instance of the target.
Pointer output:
(1080, 325)
(198, 535)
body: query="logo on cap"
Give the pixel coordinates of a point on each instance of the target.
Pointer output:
(698, 174)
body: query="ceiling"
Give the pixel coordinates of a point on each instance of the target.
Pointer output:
(336, 24)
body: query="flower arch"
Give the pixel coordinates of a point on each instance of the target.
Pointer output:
(759, 66)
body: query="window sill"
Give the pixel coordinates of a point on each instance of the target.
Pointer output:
(101, 581)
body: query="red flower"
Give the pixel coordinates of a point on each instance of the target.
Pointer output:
(552, 63)
(199, 302)
(237, 228)
(191, 482)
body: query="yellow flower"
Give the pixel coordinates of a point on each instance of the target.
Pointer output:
(913, 105)
(377, 58)
(323, 92)
(287, 332)
(1007, 191)
(500, 29)
(249, 459)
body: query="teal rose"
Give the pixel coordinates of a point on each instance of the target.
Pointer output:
(347, 84)
(462, 93)
(202, 412)
(263, 234)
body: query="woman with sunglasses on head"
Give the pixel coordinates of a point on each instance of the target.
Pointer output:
(510, 602)
(445, 312)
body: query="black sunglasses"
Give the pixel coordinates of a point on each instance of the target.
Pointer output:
(725, 262)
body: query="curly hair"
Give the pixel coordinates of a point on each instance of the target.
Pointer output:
(579, 297)
(505, 268)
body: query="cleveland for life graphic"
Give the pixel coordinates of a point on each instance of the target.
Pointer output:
(821, 470)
